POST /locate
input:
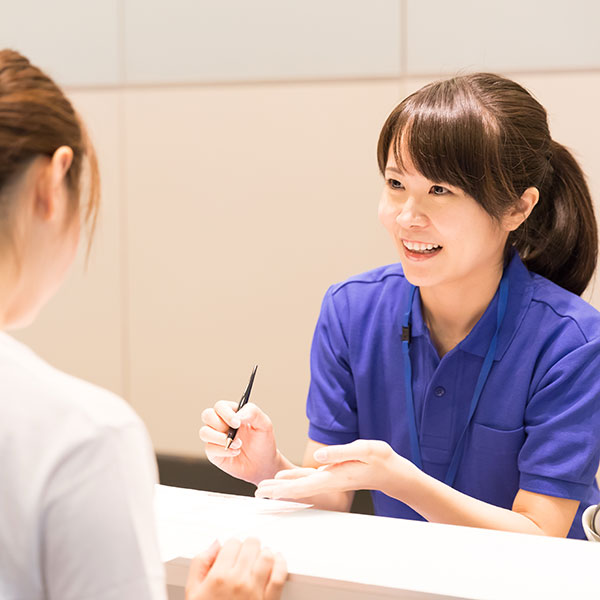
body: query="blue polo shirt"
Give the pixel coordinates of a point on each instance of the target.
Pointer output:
(537, 424)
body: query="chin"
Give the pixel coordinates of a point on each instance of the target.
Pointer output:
(418, 277)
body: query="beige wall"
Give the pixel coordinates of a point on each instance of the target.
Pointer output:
(240, 179)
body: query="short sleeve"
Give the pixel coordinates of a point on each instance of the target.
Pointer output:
(331, 405)
(98, 539)
(561, 451)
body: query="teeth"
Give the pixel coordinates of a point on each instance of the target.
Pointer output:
(420, 247)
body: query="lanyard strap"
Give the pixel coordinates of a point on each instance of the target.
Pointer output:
(481, 380)
(415, 450)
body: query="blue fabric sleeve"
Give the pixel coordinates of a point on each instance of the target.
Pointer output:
(331, 404)
(562, 424)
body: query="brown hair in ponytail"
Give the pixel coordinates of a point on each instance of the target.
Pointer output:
(35, 120)
(488, 136)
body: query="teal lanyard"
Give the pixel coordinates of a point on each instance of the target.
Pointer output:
(483, 376)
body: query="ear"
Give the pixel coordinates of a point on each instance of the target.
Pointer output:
(522, 209)
(50, 195)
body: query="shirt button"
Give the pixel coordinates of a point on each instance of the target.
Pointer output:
(439, 391)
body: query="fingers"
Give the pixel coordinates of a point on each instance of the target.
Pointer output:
(202, 563)
(295, 473)
(293, 489)
(214, 433)
(253, 416)
(221, 416)
(227, 557)
(240, 570)
(359, 450)
(272, 489)
(281, 486)
(216, 451)
(262, 568)
(219, 438)
(278, 577)
(247, 555)
(331, 454)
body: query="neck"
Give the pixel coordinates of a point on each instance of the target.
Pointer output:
(453, 309)
(9, 290)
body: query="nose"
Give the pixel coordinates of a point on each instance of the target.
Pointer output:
(411, 214)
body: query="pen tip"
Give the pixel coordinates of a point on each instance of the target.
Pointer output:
(228, 443)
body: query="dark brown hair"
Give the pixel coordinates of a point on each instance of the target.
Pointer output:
(488, 136)
(35, 120)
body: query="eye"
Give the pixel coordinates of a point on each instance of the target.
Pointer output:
(395, 184)
(438, 190)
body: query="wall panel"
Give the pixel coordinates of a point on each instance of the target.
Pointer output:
(235, 40)
(75, 41)
(245, 204)
(514, 35)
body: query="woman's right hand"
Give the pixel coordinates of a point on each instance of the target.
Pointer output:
(253, 455)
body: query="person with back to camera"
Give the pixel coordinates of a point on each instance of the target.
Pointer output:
(461, 385)
(78, 475)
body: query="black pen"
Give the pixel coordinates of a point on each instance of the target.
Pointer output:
(243, 401)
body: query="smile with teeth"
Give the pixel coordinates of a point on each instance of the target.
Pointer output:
(421, 247)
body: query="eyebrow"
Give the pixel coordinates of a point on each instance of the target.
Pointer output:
(387, 168)
(401, 173)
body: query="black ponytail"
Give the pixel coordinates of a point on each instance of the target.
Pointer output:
(559, 240)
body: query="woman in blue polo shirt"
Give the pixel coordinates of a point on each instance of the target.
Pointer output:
(462, 385)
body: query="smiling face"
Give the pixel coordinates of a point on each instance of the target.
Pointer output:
(444, 236)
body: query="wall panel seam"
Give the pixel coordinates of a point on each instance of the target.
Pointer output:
(329, 81)
(123, 250)
(121, 41)
(403, 37)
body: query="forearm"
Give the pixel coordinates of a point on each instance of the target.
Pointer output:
(440, 503)
(373, 465)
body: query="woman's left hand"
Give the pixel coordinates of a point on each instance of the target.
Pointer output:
(361, 465)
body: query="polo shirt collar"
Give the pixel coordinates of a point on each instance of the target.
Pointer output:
(520, 292)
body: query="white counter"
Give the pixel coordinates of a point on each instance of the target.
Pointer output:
(340, 556)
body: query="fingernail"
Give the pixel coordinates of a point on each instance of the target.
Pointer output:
(236, 423)
(236, 445)
(321, 454)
